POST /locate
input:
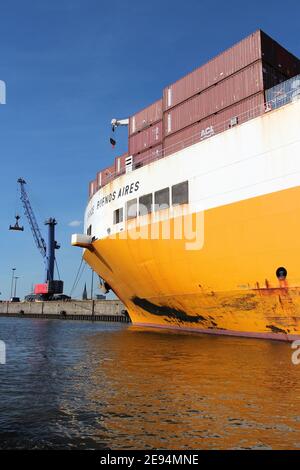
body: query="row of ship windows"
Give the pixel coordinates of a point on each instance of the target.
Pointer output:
(144, 205)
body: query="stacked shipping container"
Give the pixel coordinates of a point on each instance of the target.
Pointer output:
(257, 46)
(146, 129)
(211, 96)
(120, 164)
(236, 114)
(232, 90)
(145, 117)
(228, 90)
(216, 93)
(145, 139)
(147, 156)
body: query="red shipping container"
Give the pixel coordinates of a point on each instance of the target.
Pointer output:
(147, 156)
(99, 179)
(243, 84)
(271, 76)
(120, 163)
(254, 47)
(278, 57)
(41, 288)
(108, 174)
(236, 114)
(92, 188)
(145, 117)
(145, 139)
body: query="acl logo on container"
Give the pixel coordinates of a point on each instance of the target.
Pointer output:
(2, 352)
(2, 92)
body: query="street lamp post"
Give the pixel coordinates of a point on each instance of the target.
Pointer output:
(15, 292)
(92, 285)
(12, 282)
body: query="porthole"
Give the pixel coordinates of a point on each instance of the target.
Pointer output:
(281, 273)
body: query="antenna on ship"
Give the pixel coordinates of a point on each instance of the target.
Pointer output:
(114, 124)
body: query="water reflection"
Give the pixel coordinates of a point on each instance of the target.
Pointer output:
(83, 385)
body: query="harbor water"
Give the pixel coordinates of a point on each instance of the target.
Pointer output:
(83, 385)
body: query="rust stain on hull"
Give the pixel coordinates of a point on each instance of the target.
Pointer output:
(165, 311)
(271, 311)
(275, 329)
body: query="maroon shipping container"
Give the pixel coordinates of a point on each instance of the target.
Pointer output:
(120, 163)
(145, 139)
(99, 179)
(278, 57)
(147, 156)
(239, 86)
(271, 76)
(92, 188)
(254, 47)
(145, 117)
(105, 176)
(236, 114)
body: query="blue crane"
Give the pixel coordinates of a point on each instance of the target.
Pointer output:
(39, 241)
(47, 250)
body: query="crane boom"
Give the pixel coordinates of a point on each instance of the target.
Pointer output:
(47, 250)
(39, 241)
(119, 122)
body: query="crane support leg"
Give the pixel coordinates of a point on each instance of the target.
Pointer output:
(50, 253)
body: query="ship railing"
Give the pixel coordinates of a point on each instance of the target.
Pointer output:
(279, 100)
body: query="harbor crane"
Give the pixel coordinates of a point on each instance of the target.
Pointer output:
(47, 250)
(116, 123)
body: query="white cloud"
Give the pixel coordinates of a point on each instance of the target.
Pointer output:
(75, 223)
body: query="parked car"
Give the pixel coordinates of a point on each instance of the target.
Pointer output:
(34, 298)
(15, 299)
(40, 297)
(29, 298)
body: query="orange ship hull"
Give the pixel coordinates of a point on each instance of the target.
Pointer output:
(229, 286)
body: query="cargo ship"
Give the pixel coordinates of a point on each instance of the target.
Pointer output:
(197, 227)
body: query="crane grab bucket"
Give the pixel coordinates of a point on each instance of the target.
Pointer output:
(17, 227)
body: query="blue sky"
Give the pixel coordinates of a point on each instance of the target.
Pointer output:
(72, 65)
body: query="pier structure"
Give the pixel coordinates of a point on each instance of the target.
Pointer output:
(94, 310)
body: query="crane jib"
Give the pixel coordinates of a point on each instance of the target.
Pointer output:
(47, 250)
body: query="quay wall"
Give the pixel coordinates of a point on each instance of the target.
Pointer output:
(97, 310)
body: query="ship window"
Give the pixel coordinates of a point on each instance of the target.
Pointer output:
(180, 193)
(162, 199)
(118, 216)
(145, 204)
(131, 209)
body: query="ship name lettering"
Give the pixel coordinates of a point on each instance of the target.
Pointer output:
(124, 191)
(90, 212)
(129, 189)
